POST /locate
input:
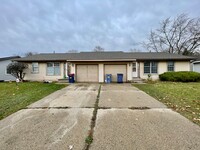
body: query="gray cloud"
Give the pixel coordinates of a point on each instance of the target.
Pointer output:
(45, 26)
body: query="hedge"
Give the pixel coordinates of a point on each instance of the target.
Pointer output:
(181, 76)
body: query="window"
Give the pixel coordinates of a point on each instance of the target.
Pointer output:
(35, 67)
(150, 67)
(134, 67)
(147, 67)
(53, 69)
(8, 71)
(170, 66)
(154, 67)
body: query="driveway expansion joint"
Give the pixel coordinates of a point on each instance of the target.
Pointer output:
(89, 138)
(99, 107)
(66, 107)
(47, 107)
(138, 108)
(133, 108)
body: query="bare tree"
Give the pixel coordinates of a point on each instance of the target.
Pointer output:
(98, 49)
(179, 35)
(29, 54)
(17, 69)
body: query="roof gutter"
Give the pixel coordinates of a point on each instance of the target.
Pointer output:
(40, 60)
(196, 62)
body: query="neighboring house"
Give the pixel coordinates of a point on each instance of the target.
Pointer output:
(196, 65)
(93, 66)
(4, 74)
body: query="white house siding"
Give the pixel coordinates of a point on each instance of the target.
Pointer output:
(196, 67)
(42, 75)
(162, 67)
(3, 67)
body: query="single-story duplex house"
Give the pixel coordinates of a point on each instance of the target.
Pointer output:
(4, 73)
(196, 65)
(93, 66)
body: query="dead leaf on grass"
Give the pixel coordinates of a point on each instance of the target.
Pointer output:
(196, 119)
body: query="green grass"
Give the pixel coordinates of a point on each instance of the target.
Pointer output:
(14, 98)
(181, 97)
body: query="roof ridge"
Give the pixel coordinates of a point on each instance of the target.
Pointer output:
(102, 52)
(10, 57)
(105, 56)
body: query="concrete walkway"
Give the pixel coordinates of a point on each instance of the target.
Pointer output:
(127, 119)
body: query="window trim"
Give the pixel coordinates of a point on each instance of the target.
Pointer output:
(134, 67)
(6, 73)
(168, 66)
(154, 66)
(148, 67)
(157, 64)
(53, 68)
(33, 72)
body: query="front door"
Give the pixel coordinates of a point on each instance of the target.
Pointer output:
(134, 69)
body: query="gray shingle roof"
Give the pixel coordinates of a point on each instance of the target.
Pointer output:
(97, 56)
(159, 56)
(9, 58)
(45, 57)
(198, 58)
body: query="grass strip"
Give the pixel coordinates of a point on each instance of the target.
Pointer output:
(183, 98)
(16, 97)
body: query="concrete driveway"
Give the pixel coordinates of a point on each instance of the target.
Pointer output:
(134, 120)
(127, 118)
(53, 123)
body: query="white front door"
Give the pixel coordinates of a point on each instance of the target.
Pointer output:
(134, 69)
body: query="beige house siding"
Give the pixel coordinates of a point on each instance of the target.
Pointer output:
(182, 66)
(162, 67)
(42, 75)
(145, 76)
(101, 66)
(129, 71)
(101, 73)
(73, 68)
(114, 70)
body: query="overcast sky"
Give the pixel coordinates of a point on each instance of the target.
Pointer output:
(61, 25)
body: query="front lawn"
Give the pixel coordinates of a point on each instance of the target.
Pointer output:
(181, 97)
(14, 98)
